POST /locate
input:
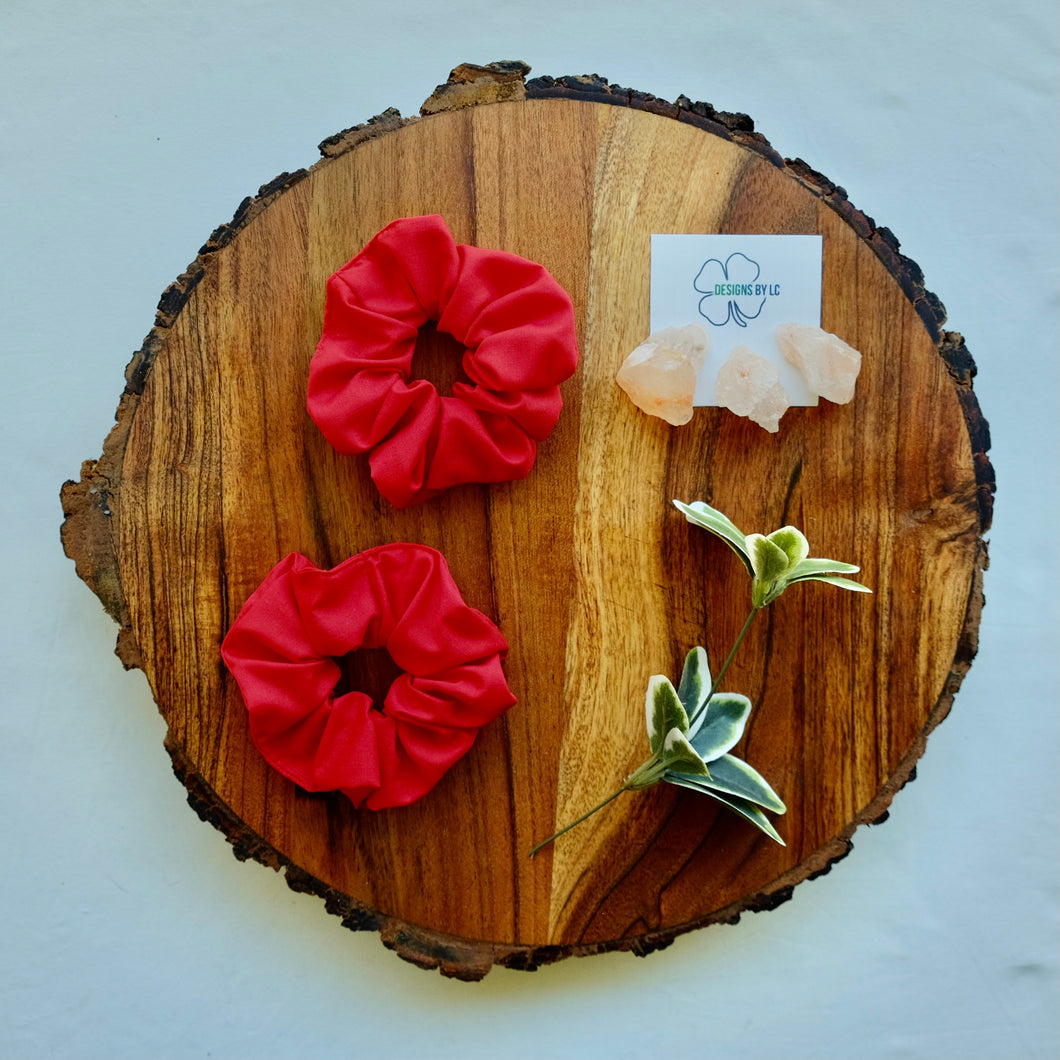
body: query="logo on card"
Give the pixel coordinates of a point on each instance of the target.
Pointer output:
(732, 290)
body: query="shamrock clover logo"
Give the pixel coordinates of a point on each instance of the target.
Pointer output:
(734, 281)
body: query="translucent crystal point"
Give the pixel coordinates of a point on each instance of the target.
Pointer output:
(749, 385)
(660, 374)
(829, 366)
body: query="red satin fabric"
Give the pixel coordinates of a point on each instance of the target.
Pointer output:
(400, 597)
(516, 322)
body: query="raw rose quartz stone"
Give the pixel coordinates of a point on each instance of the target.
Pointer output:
(829, 366)
(660, 374)
(750, 386)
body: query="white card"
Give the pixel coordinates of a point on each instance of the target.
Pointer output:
(738, 288)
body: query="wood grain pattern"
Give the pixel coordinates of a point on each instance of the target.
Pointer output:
(215, 472)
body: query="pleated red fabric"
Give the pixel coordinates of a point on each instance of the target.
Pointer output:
(281, 650)
(516, 323)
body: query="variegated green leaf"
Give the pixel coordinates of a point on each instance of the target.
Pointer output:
(723, 725)
(843, 583)
(664, 711)
(792, 541)
(678, 754)
(752, 813)
(768, 561)
(733, 776)
(745, 809)
(702, 514)
(695, 681)
(807, 568)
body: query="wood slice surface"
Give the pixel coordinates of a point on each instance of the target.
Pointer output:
(214, 472)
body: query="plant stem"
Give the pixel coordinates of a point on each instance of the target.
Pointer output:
(614, 795)
(599, 806)
(725, 665)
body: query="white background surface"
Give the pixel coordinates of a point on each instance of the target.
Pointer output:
(130, 130)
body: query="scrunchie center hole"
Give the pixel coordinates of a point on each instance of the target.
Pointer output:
(368, 670)
(438, 359)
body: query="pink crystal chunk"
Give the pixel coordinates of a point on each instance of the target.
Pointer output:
(660, 374)
(829, 366)
(749, 385)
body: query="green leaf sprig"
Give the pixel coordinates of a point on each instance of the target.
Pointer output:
(774, 562)
(692, 728)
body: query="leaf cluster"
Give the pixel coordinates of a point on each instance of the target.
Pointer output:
(690, 733)
(775, 560)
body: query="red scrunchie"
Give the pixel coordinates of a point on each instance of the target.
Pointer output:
(400, 597)
(516, 322)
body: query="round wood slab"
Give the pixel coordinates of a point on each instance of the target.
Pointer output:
(214, 472)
